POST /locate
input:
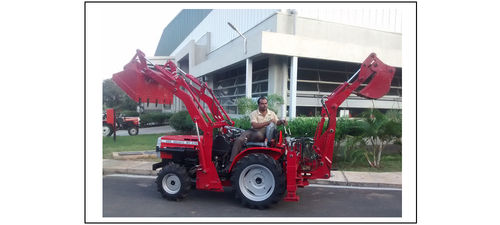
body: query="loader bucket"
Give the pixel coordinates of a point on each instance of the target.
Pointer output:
(139, 87)
(381, 77)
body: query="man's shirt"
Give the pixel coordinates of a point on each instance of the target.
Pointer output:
(257, 117)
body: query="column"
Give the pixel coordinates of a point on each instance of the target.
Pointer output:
(248, 86)
(284, 88)
(293, 86)
(277, 82)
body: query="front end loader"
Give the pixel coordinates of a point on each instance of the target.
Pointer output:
(264, 172)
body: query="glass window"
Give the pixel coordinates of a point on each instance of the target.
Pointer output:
(327, 87)
(261, 75)
(303, 86)
(240, 80)
(261, 87)
(308, 111)
(333, 76)
(307, 75)
(395, 91)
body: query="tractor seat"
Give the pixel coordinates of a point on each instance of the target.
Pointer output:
(270, 134)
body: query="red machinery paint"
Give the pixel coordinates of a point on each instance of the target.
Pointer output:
(157, 83)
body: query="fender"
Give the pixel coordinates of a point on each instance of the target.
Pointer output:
(276, 153)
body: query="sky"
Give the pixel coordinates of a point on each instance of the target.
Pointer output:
(115, 31)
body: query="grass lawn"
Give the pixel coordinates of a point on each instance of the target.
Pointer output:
(129, 144)
(389, 163)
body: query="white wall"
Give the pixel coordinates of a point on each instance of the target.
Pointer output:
(378, 17)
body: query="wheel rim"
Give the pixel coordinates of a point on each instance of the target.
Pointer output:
(171, 183)
(133, 131)
(256, 182)
(105, 130)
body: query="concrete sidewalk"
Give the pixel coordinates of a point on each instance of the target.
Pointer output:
(365, 179)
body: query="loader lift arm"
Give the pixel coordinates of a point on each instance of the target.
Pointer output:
(159, 84)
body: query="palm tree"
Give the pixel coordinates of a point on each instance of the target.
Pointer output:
(379, 130)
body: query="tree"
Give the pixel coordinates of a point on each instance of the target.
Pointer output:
(380, 130)
(114, 97)
(274, 101)
(247, 105)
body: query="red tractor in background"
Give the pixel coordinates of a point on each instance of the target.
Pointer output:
(264, 172)
(131, 124)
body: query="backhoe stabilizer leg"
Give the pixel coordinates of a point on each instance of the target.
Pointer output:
(291, 177)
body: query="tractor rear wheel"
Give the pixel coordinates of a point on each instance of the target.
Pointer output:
(132, 131)
(173, 182)
(107, 130)
(258, 181)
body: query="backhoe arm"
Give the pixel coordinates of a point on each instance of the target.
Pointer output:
(379, 77)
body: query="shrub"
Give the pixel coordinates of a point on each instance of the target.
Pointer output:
(300, 127)
(304, 126)
(155, 118)
(243, 122)
(129, 113)
(168, 116)
(348, 127)
(353, 149)
(181, 121)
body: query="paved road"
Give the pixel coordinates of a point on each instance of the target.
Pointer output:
(138, 197)
(148, 130)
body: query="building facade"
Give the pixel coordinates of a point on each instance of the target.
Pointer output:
(301, 55)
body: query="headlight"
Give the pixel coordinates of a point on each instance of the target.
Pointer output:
(158, 142)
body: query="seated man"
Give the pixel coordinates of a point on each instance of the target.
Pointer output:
(259, 120)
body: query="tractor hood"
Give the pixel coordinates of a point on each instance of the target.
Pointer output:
(178, 141)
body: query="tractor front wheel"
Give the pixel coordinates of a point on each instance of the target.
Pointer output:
(132, 131)
(173, 182)
(107, 130)
(258, 181)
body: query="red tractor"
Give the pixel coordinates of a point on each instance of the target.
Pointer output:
(131, 124)
(263, 173)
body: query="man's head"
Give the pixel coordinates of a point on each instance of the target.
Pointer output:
(262, 101)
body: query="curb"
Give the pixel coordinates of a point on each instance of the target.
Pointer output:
(108, 171)
(132, 171)
(134, 155)
(355, 184)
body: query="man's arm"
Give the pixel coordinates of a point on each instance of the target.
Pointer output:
(283, 121)
(256, 125)
(278, 121)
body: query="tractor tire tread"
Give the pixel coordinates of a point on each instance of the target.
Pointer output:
(271, 164)
(182, 173)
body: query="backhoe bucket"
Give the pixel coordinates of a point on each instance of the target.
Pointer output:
(381, 77)
(139, 87)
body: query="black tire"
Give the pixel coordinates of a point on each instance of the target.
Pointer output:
(258, 181)
(173, 182)
(132, 131)
(107, 130)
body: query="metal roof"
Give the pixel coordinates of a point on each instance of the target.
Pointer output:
(177, 30)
